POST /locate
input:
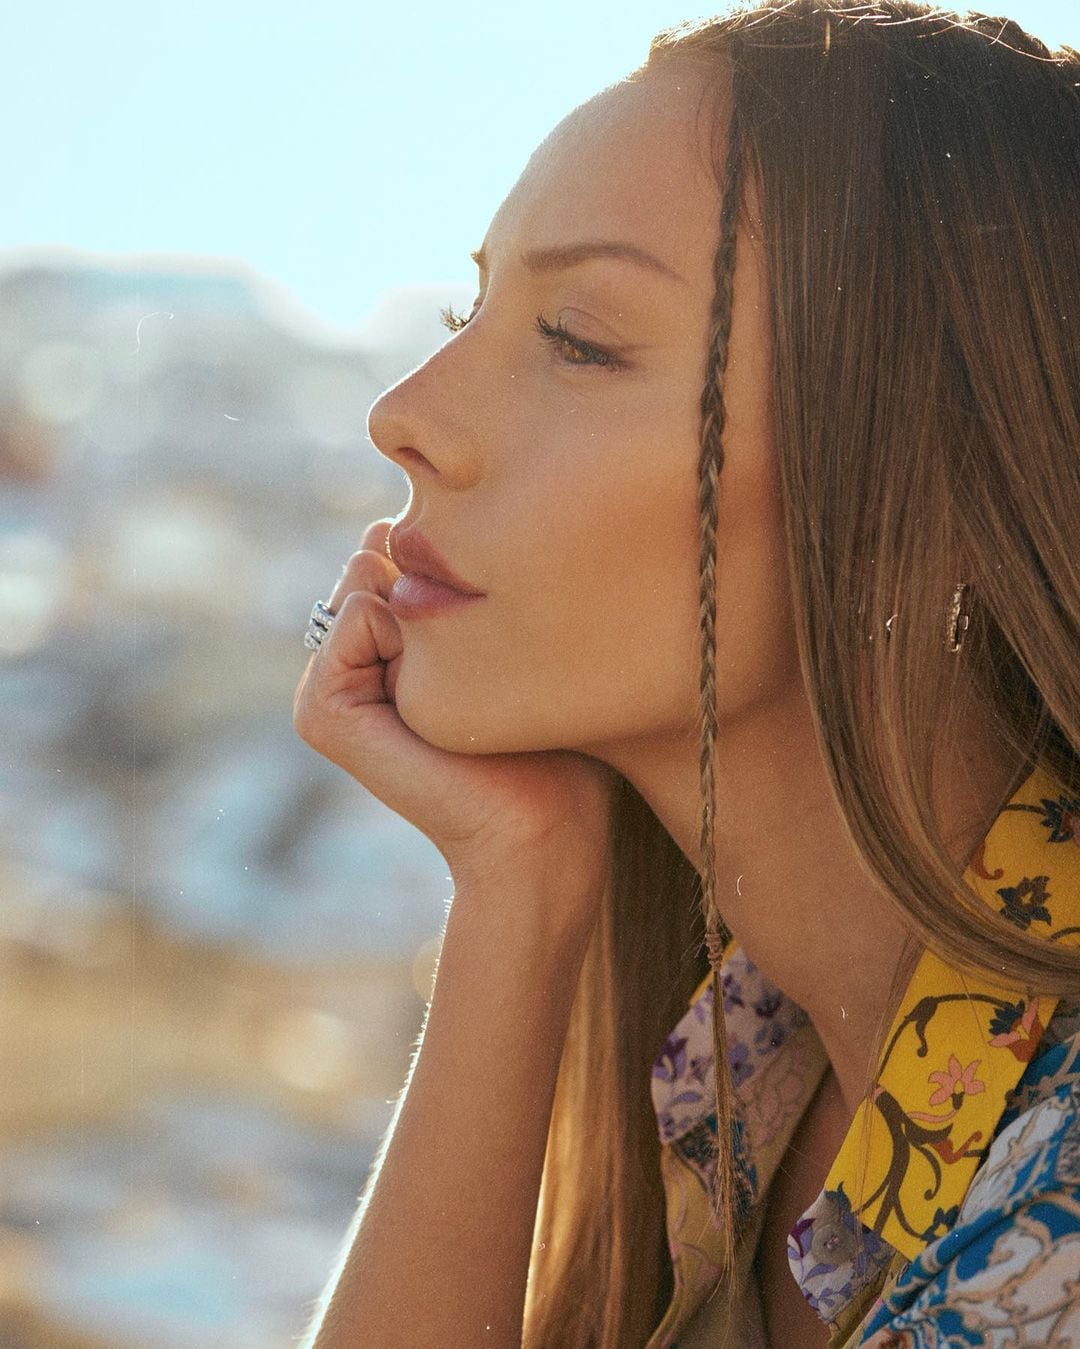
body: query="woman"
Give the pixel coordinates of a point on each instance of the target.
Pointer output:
(799, 653)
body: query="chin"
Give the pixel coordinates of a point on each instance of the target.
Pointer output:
(461, 730)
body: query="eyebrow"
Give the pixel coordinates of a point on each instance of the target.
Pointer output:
(559, 257)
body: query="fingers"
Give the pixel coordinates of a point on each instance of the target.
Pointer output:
(365, 633)
(365, 570)
(348, 671)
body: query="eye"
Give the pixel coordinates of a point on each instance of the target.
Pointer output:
(583, 353)
(558, 335)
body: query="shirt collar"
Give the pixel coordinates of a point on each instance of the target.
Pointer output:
(959, 1043)
(957, 1047)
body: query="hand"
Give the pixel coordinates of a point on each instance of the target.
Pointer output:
(488, 814)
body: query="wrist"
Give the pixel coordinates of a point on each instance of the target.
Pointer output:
(548, 908)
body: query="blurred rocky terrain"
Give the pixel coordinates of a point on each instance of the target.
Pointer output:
(215, 947)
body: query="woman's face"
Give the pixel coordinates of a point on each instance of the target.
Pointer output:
(564, 484)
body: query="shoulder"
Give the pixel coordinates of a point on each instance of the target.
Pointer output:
(1005, 1274)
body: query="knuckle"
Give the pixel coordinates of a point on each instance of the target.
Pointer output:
(302, 717)
(354, 603)
(311, 729)
(364, 568)
(302, 726)
(306, 717)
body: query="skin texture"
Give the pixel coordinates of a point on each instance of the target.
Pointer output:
(568, 493)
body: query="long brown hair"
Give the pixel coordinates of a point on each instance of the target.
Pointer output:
(918, 172)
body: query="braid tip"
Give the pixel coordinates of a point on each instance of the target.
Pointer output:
(716, 943)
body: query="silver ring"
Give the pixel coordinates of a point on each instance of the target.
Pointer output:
(319, 624)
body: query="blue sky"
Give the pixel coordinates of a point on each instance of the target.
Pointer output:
(337, 149)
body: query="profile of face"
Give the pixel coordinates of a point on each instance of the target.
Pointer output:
(561, 477)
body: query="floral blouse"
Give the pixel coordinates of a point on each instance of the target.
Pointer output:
(951, 1215)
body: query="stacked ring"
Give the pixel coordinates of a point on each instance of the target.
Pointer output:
(319, 624)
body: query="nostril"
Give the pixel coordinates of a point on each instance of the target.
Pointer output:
(410, 458)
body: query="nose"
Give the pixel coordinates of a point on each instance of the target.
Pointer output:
(418, 424)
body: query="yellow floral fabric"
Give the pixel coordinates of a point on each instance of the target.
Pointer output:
(961, 1052)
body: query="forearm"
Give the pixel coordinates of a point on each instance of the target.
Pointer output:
(440, 1253)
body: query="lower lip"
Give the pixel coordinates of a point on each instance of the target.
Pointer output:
(414, 596)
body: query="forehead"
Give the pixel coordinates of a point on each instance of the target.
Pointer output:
(632, 164)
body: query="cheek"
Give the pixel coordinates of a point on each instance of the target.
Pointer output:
(617, 594)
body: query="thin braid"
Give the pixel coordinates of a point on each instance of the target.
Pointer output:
(717, 935)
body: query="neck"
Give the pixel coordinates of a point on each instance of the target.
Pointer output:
(790, 883)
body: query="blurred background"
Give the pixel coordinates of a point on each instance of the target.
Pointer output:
(226, 229)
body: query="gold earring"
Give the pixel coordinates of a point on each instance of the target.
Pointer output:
(959, 619)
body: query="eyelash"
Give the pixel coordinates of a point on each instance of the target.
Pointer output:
(555, 333)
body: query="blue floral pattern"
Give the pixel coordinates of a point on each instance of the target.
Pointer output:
(1008, 1273)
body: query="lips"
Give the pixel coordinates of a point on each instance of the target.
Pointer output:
(413, 554)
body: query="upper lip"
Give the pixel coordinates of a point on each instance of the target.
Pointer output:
(411, 552)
